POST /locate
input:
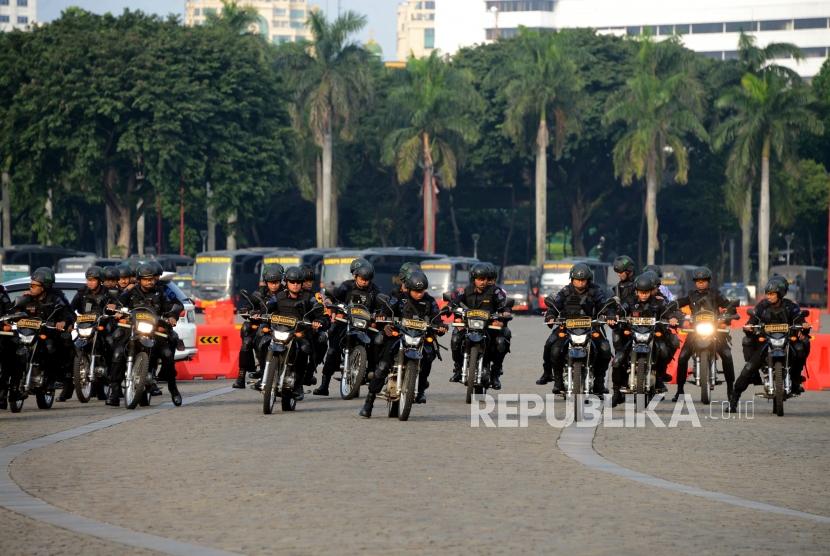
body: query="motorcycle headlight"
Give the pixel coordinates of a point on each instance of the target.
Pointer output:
(27, 339)
(281, 335)
(642, 336)
(145, 327)
(411, 340)
(579, 338)
(359, 323)
(477, 325)
(705, 328)
(777, 342)
(85, 332)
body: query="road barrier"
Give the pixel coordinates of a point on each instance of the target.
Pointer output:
(217, 344)
(818, 363)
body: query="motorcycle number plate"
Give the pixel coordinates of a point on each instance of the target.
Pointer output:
(642, 321)
(414, 324)
(283, 320)
(362, 313)
(776, 328)
(578, 323)
(145, 317)
(478, 314)
(704, 317)
(89, 317)
(29, 323)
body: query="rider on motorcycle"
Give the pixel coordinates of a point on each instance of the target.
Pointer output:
(704, 298)
(580, 298)
(624, 291)
(662, 290)
(417, 304)
(271, 284)
(775, 309)
(504, 335)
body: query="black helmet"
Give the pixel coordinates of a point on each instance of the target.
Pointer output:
(581, 271)
(645, 282)
(95, 272)
(779, 285)
(702, 273)
(273, 272)
(111, 273)
(479, 270)
(623, 263)
(45, 276)
(357, 263)
(492, 271)
(308, 272)
(655, 269)
(407, 269)
(293, 274)
(365, 270)
(417, 281)
(145, 270)
(125, 271)
(158, 269)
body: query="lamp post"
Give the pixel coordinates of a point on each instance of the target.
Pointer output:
(475, 237)
(495, 11)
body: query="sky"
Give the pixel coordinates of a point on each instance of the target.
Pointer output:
(381, 13)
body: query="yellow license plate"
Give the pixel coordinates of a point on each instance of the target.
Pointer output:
(362, 313)
(578, 323)
(478, 314)
(90, 317)
(147, 317)
(414, 324)
(29, 323)
(777, 328)
(283, 320)
(705, 317)
(642, 321)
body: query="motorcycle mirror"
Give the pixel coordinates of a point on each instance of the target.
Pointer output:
(510, 303)
(446, 296)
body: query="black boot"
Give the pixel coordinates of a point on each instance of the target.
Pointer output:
(240, 379)
(155, 390)
(546, 377)
(309, 379)
(68, 390)
(733, 404)
(174, 392)
(617, 398)
(366, 410)
(423, 384)
(496, 383)
(659, 385)
(678, 394)
(4, 394)
(558, 384)
(113, 399)
(299, 393)
(456, 374)
(323, 389)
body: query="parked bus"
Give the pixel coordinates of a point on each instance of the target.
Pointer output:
(808, 284)
(220, 275)
(521, 282)
(80, 264)
(386, 260)
(19, 260)
(447, 275)
(678, 278)
(556, 275)
(294, 257)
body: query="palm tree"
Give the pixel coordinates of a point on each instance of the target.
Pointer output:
(543, 94)
(435, 104)
(660, 105)
(333, 83)
(743, 162)
(769, 111)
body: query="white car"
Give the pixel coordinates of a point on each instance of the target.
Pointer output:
(69, 283)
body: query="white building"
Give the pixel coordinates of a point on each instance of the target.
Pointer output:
(416, 28)
(17, 14)
(279, 20)
(710, 27)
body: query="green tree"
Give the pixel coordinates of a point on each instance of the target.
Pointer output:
(436, 106)
(660, 105)
(543, 96)
(333, 82)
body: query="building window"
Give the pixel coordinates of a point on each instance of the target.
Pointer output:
(815, 23)
(297, 14)
(707, 28)
(730, 55)
(4, 3)
(665, 30)
(738, 26)
(197, 12)
(23, 3)
(814, 52)
(682, 29)
(429, 38)
(209, 11)
(503, 33)
(776, 25)
(714, 55)
(23, 19)
(520, 5)
(4, 19)
(280, 12)
(281, 39)
(632, 31)
(297, 25)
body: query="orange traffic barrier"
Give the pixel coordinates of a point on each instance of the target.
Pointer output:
(217, 356)
(814, 318)
(672, 368)
(818, 363)
(742, 313)
(220, 313)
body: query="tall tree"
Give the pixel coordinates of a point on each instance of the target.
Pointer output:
(435, 107)
(543, 96)
(332, 85)
(660, 105)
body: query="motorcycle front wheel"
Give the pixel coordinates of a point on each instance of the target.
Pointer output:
(269, 389)
(705, 369)
(778, 383)
(472, 369)
(353, 377)
(136, 387)
(408, 390)
(80, 376)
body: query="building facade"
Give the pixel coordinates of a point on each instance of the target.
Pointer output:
(279, 21)
(710, 27)
(416, 28)
(17, 14)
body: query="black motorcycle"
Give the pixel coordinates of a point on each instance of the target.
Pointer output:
(32, 334)
(280, 376)
(89, 371)
(143, 361)
(354, 346)
(709, 329)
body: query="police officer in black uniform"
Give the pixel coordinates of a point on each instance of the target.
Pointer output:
(148, 293)
(775, 309)
(479, 295)
(359, 291)
(504, 336)
(704, 298)
(110, 278)
(624, 291)
(580, 298)
(126, 277)
(416, 304)
(45, 302)
(294, 301)
(321, 338)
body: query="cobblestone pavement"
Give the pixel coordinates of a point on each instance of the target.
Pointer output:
(321, 480)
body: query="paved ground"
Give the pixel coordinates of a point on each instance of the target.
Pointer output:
(220, 474)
